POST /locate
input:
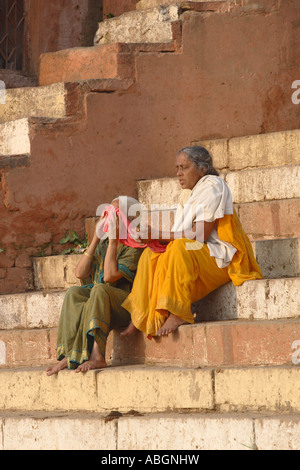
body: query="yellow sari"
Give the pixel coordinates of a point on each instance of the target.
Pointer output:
(170, 282)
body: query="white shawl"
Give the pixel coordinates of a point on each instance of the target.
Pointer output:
(209, 200)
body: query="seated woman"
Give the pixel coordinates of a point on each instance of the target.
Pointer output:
(91, 311)
(168, 283)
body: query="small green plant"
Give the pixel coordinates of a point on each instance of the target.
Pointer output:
(109, 16)
(1, 250)
(72, 238)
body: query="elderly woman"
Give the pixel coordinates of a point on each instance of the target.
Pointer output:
(168, 283)
(91, 311)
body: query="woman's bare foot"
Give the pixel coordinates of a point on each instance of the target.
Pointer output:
(96, 361)
(91, 365)
(53, 370)
(130, 330)
(170, 326)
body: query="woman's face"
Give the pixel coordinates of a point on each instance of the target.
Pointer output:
(187, 172)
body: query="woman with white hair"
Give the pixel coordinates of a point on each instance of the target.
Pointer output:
(91, 311)
(168, 283)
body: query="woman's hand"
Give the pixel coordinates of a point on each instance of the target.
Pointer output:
(143, 235)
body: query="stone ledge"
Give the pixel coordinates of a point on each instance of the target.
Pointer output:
(247, 186)
(105, 62)
(255, 151)
(248, 389)
(149, 26)
(229, 343)
(264, 299)
(38, 101)
(55, 272)
(277, 259)
(187, 431)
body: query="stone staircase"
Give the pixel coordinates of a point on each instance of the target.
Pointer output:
(230, 381)
(234, 375)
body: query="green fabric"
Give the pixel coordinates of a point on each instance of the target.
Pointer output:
(91, 311)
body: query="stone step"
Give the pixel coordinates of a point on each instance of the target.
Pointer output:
(55, 272)
(152, 24)
(109, 61)
(209, 344)
(31, 310)
(167, 431)
(271, 219)
(266, 299)
(264, 184)
(262, 221)
(48, 101)
(248, 389)
(15, 138)
(62, 103)
(27, 347)
(80, 63)
(249, 185)
(276, 258)
(255, 151)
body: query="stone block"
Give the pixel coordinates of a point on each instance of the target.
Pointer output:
(188, 432)
(12, 312)
(256, 300)
(278, 258)
(264, 184)
(32, 390)
(103, 391)
(230, 343)
(15, 137)
(263, 150)
(39, 102)
(43, 310)
(30, 310)
(255, 151)
(277, 433)
(72, 65)
(24, 347)
(69, 433)
(56, 272)
(190, 389)
(172, 431)
(273, 389)
(159, 191)
(251, 343)
(271, 219)
(151, 26)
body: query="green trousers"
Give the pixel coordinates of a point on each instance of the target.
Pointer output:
(88, 315)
